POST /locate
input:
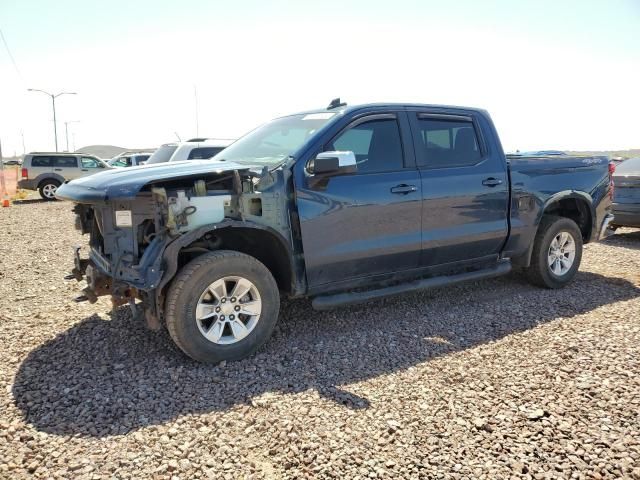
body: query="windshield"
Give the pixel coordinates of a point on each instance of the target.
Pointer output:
(162, 154)
(274, 141)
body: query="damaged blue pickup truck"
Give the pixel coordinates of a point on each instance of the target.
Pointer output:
(343, 205)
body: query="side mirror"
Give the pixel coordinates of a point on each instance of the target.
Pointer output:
(333, 163)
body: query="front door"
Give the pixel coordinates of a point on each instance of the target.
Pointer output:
(465, 189)
(89, 166)
(66, 166)
(365, 223)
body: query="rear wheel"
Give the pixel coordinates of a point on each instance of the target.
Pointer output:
(557, 252)
(222, 306)
(48, 189)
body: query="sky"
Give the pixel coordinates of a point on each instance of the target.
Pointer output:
(552, 74)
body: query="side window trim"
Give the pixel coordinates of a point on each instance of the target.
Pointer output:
(421, 160)
(372, 117)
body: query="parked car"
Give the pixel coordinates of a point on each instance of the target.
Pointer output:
(46, 171)
(199, 149)
(343, 205)
(12, 161)
(192, 149)
(130, 159)
(626, 196)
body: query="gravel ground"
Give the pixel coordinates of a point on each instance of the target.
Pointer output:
(490, 380)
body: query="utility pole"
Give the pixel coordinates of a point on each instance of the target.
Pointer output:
(53, 103)
(195, 96)
(66, 130)
(3, 185)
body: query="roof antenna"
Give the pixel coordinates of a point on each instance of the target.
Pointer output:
(335, 103)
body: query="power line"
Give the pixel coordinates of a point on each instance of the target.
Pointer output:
(13, 60)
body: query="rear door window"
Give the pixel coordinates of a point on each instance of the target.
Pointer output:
(448, 143)
(41, 161)
(65, 162)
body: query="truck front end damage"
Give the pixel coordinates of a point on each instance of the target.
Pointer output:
(139, 239)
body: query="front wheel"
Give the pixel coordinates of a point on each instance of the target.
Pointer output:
(557, 252)
(222, 306)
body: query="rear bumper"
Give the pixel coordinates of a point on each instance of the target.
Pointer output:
(605, 228)
(27, 184)
(626, 215)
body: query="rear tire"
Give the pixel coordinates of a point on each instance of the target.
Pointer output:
(204, 317)
(48, 189)
(557, 252)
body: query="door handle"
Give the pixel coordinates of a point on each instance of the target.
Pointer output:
(58, 169)
(403, 189)
(85, 170)
(491, 182)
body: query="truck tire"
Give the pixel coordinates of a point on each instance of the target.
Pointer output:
(222, 306)
(47, 189)
(557, 252)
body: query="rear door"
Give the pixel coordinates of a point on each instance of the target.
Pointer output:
(366, 223)
(40, 165)
(66, 166)
(465, 188)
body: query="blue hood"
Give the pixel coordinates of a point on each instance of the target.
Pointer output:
(127, 182)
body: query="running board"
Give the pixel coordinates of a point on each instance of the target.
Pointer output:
(327, 302)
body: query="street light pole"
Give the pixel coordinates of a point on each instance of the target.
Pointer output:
(53, 103)
(55, 122)
(66, 130)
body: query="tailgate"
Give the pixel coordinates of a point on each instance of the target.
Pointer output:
(626, 189)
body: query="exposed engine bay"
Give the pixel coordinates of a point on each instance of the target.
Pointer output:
(137, 244)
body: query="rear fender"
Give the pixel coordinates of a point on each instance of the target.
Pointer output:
(524, 260)
(48, 176)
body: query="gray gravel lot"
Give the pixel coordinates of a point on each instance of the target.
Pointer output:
(490, 380)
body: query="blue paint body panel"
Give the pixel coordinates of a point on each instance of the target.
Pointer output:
(126, 183)
(357, 228)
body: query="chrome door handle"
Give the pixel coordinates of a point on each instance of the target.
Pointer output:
(403, 189)
(491, 182)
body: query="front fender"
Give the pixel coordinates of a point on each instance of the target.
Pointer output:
(171, 251)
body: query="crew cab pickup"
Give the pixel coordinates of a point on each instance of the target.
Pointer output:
(342, 205)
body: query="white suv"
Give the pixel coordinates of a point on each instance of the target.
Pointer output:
(199, 149)
(45, 172)
(193, 149)
(130, 159)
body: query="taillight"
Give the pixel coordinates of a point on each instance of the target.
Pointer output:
(612, 169)
(25, 173)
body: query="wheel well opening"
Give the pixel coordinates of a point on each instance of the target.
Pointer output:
(48, 180)
(260, 244)
(575, 209)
